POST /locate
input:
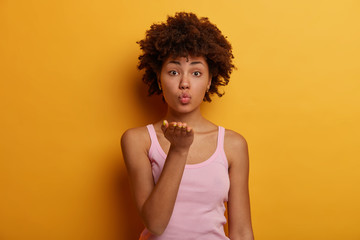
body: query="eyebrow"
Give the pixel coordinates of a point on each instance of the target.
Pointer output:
(192, 63)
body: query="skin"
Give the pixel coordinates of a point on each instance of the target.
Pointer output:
(187, 138)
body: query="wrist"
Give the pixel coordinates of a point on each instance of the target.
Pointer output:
(179, 150)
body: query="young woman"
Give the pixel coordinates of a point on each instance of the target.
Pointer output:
(184, 168)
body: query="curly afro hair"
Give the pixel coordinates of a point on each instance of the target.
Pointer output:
(183, 35)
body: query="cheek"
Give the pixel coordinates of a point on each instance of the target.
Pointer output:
(169, 88)
(200, 87)
(168, 91)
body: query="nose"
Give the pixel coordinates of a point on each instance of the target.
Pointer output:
(184, 83)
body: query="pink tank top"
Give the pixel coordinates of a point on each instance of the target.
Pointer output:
(199, 208)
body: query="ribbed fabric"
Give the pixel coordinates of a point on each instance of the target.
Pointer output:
(199, 208)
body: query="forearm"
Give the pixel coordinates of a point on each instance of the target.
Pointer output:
(158, 208)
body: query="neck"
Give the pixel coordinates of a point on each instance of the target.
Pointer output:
(192, 119)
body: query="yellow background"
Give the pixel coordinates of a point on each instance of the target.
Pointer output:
(69, 88)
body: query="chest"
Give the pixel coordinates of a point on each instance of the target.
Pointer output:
(209, 185)
(202, 148)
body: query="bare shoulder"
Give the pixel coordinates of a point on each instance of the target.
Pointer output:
(236, 147)
(135, 134)
(234, 139)
(135, 141)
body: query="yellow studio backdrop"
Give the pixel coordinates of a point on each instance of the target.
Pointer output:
(69, 88)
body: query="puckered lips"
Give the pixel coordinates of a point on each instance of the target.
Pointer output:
(184, 98)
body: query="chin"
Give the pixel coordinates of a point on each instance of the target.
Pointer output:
(186, 108)
(183, 108)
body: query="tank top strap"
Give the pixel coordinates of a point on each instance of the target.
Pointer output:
(153, 139)
(220, 148)
(152, 132)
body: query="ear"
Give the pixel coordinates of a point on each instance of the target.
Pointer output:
(158, 80)
(209, 83)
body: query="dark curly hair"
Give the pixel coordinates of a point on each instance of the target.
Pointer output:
(183, 35)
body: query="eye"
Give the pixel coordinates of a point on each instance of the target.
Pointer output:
(173, 73)
(197, 74)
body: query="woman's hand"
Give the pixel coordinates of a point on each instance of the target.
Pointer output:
(179, 134)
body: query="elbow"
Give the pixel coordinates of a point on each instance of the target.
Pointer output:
(154, 221)
(155, 226)
(156, 230)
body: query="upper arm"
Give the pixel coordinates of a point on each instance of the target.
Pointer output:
(135, 144)
(236, 149)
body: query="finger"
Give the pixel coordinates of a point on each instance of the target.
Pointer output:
(171, 127)
(183, 129)
(189, 131)
(164, 126)
(178, 128)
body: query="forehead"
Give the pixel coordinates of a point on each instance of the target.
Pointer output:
(184, 60)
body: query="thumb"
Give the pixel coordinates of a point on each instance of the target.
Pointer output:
(164, 126)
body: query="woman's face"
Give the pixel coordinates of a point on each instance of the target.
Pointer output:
(184, 82)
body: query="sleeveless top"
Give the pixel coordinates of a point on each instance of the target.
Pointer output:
(199, 208)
